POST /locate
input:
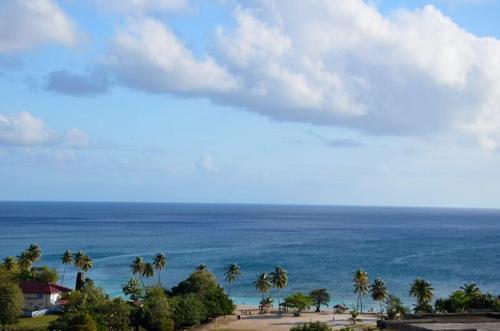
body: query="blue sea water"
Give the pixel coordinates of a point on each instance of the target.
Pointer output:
(319, 246)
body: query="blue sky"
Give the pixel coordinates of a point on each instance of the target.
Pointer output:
(333, 102)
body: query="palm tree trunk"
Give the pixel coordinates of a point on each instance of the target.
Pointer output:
(159, 277)
(64, 274)
(279, 301)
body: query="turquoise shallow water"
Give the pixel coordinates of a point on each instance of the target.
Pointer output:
(319, 246)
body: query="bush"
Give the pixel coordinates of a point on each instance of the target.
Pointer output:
(156, 312)
(11, 303)
(395, 309)
(314, 326)
(188, 310)
(298, 301)
(74, 322)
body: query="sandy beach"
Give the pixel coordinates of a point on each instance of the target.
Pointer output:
(273, 322)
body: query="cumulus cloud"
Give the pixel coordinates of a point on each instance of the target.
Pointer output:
(24, 129)
(147, 55)
(326, 62)
(28, 23)
(66, 82)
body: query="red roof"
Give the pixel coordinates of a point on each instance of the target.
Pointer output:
(42, 287)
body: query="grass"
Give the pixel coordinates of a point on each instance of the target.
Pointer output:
(40, 321)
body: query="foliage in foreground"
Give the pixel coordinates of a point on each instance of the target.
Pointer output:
(313, 326)
(11, 302)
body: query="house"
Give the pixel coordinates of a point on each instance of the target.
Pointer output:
(41, 295)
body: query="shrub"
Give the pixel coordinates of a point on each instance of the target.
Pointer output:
(11, 303)
(188, 310)
(298, 301)
(156, 312)
(314, 326)
(74, 322)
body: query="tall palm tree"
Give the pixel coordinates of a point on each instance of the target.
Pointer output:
(34, 253)
(379, 292)
(66, 259)
(148, 271)
(83, 262)
(360, 280)
(24, 261)
(10, 263)
(263, 284)
(421, 290)
(279, 279)
(137, 267)
(232, 272)
(160, 262)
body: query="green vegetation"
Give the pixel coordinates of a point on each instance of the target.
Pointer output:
(379, 292)
(320, 297)
(66, 259)
(298, 301)
(29, 323)
(279, 279)
(313, 326)
(231, 272)
(11, 302)
(360, 284)
(422, 290)
(262, 284)
(395, 309)
(160, 263)
(468, 298)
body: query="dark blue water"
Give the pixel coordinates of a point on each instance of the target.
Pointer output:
(319, 246)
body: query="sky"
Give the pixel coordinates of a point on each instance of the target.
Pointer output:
(297, 102)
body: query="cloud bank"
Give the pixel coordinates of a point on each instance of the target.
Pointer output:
(325, 62)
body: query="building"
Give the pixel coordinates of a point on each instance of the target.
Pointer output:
(448, 322)
(41, 295)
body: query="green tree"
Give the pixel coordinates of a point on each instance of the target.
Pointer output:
(231, 273)
(263, 284)
(133, 289)
(379, 292)
(24, 261)
(279, 279)
(148, 271)
(160, 263)
(360, 284)
(157, 311)
(471, 290)
(202, 267)
(67, 258)
(188, 310)
(394, 308)
(320, 297)
(83, 262)
(299, 301)
(137, 267)
(312, 326)
(11, 303)
(44, 274)
(10, 263)
(422, 290)
(34, 253)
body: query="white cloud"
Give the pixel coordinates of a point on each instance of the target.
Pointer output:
(27, 23)
(143, 6)
(24, 129)
(147, 55)
(206, 164)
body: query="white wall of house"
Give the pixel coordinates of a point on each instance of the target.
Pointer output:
(37, 301)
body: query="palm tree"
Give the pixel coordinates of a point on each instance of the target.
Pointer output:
(10, 263)
(470, 290)
(263, 284)
(202, 267)
(24, 261)
(379, 292)
(360, 280)
(148, 271)
(279, 279)
(83, 262)
(421, 290)
(232, 272)
(320, 297)
(66, 259)
(160, 262)
(34, 253)
(137, 267)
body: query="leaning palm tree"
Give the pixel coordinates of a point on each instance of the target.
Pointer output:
(263, 284)
(34, 253)
(360, 280)
(148, 271)
(279, 279)
(24, 261)
(160, 262)
(421, 290)
(379, 292)
(10, 263)
(232, 272)
(66, 259)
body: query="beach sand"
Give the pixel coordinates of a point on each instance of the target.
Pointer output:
(273, 322)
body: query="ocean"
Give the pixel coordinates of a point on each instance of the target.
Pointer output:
(319, 246)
